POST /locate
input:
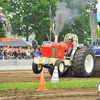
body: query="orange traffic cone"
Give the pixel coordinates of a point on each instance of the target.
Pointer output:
(42, 82)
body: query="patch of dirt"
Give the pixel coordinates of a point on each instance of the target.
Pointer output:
(49, 94)
(29, 76)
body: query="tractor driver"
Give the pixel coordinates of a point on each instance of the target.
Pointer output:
(70, 45)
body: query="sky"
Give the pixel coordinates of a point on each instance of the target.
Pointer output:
(98, 11)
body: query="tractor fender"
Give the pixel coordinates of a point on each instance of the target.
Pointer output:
(73, 53)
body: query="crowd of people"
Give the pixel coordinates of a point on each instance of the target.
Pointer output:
(19, 53)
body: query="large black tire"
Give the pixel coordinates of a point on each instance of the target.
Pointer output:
(62, 73)
(51, 71)
(61, 68)
(83, 62)
(65, 73)
(36, 68)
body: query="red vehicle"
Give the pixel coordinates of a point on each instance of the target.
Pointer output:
(80, 60)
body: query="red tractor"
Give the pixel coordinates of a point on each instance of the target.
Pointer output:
(80, 60)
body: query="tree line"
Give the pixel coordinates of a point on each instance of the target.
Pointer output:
(32, 16)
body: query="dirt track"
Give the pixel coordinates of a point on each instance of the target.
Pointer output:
(50, 94)
(29, 76)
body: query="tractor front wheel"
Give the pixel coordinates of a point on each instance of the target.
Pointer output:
(62, 71)
(37, 68)
(61, 67)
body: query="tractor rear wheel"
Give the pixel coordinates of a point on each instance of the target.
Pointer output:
(83, 62)
(36, 68)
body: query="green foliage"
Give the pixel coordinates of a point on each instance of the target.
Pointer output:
(3, 3)
(81, 25)
(98, 32)
(31, 16)
(3, 30)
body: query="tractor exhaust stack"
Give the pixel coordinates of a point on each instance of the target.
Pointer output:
(56, 38)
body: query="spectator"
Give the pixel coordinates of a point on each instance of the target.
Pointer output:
(12, 55)
(36, 52)
(2, 49)
(8, 48)
(9, 54)
(12, 49)
(32, 54)
(19, 54)
(40, 52)
(5, 52)
(28, 47)
(2, 55)
(28, 53)
(15, 53)
(23, 53)
(20, 48)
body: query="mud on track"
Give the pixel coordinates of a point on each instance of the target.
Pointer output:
(51, 93)
(29, 76)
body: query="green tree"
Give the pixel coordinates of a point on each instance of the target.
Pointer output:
(30, 16)
(81, 25)
(98, 32)
(3, 3)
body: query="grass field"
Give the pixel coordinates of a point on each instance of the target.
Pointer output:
(35, 85)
